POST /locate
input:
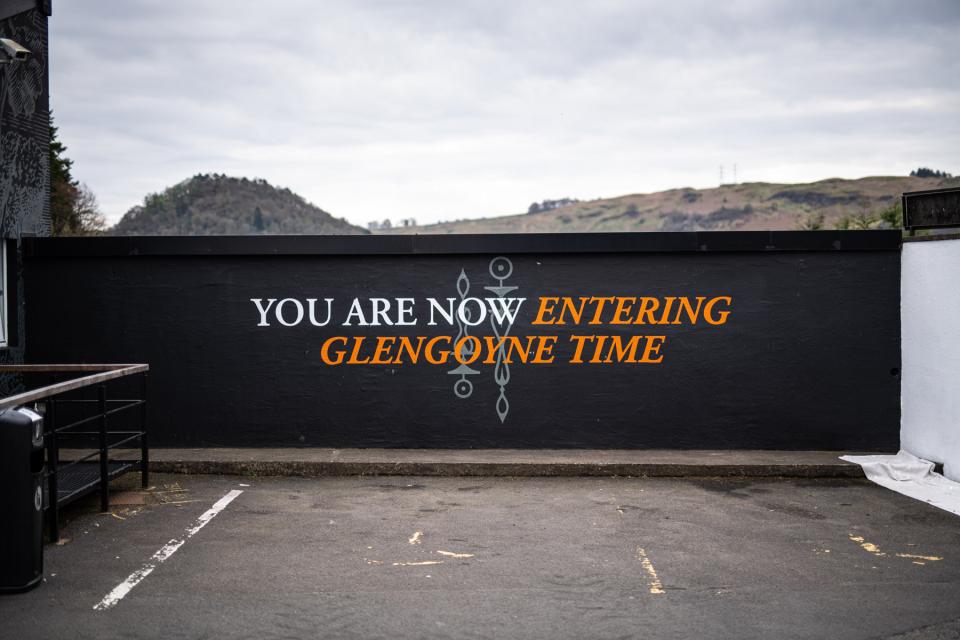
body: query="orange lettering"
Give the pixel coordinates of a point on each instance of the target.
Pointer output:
(544, 354)
(357, 343)
(444, 355)
(653, 347)
(325, 350)
(545, 307)
(383, 349)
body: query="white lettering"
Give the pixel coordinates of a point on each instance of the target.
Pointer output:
(355, 310)
(464, 313)
(505, 312)
(381, 310)
(405, 312)
(263, 311)
(280, 317)
(312, 302)
(446, 313)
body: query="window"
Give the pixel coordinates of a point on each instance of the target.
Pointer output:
(3, 293)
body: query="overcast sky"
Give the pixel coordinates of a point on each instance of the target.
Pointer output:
(444, 110)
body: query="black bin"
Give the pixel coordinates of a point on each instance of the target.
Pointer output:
(21, 499)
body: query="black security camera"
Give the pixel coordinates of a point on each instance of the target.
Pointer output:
(12, 50)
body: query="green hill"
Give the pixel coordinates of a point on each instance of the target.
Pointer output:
(219, 205)
(829, 204)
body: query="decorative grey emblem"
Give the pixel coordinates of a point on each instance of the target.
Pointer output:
(463, 388)
(501, 269)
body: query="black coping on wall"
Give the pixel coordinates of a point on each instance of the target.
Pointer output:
(681, 241)
(10, 8)
(933, 237)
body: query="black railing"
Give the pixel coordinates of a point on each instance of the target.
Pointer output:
(66, 409)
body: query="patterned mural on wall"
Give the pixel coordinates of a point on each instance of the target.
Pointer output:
(543, 341)
(24, 152)
(24, 130)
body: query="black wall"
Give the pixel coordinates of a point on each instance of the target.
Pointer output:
(808, 358)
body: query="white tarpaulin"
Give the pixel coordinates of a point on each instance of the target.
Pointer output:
(912, 476)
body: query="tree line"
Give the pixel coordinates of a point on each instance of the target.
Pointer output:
(73, 206)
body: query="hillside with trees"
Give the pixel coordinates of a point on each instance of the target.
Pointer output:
(866, 203)
(215, 204)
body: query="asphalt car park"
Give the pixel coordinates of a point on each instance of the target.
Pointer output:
(410, 557)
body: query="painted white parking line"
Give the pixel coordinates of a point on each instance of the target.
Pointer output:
(165, 552)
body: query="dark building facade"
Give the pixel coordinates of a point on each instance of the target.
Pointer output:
(24, 158)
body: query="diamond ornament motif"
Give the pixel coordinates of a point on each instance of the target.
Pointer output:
(501, 269)
(463, 387)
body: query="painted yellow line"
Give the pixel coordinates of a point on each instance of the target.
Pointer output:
(916, 557)
(655, 585)
(875, 550)
(867, 546)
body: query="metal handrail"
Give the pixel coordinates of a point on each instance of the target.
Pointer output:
(65, 430)
(100, 374)
(104, 373)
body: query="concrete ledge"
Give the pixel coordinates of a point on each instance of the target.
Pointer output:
(499, 462)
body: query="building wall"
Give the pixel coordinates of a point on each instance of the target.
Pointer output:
(24, 156)
(24, 130)
(930, 316)
(808, 357)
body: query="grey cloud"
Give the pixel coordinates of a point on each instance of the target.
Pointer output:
(447, 109)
